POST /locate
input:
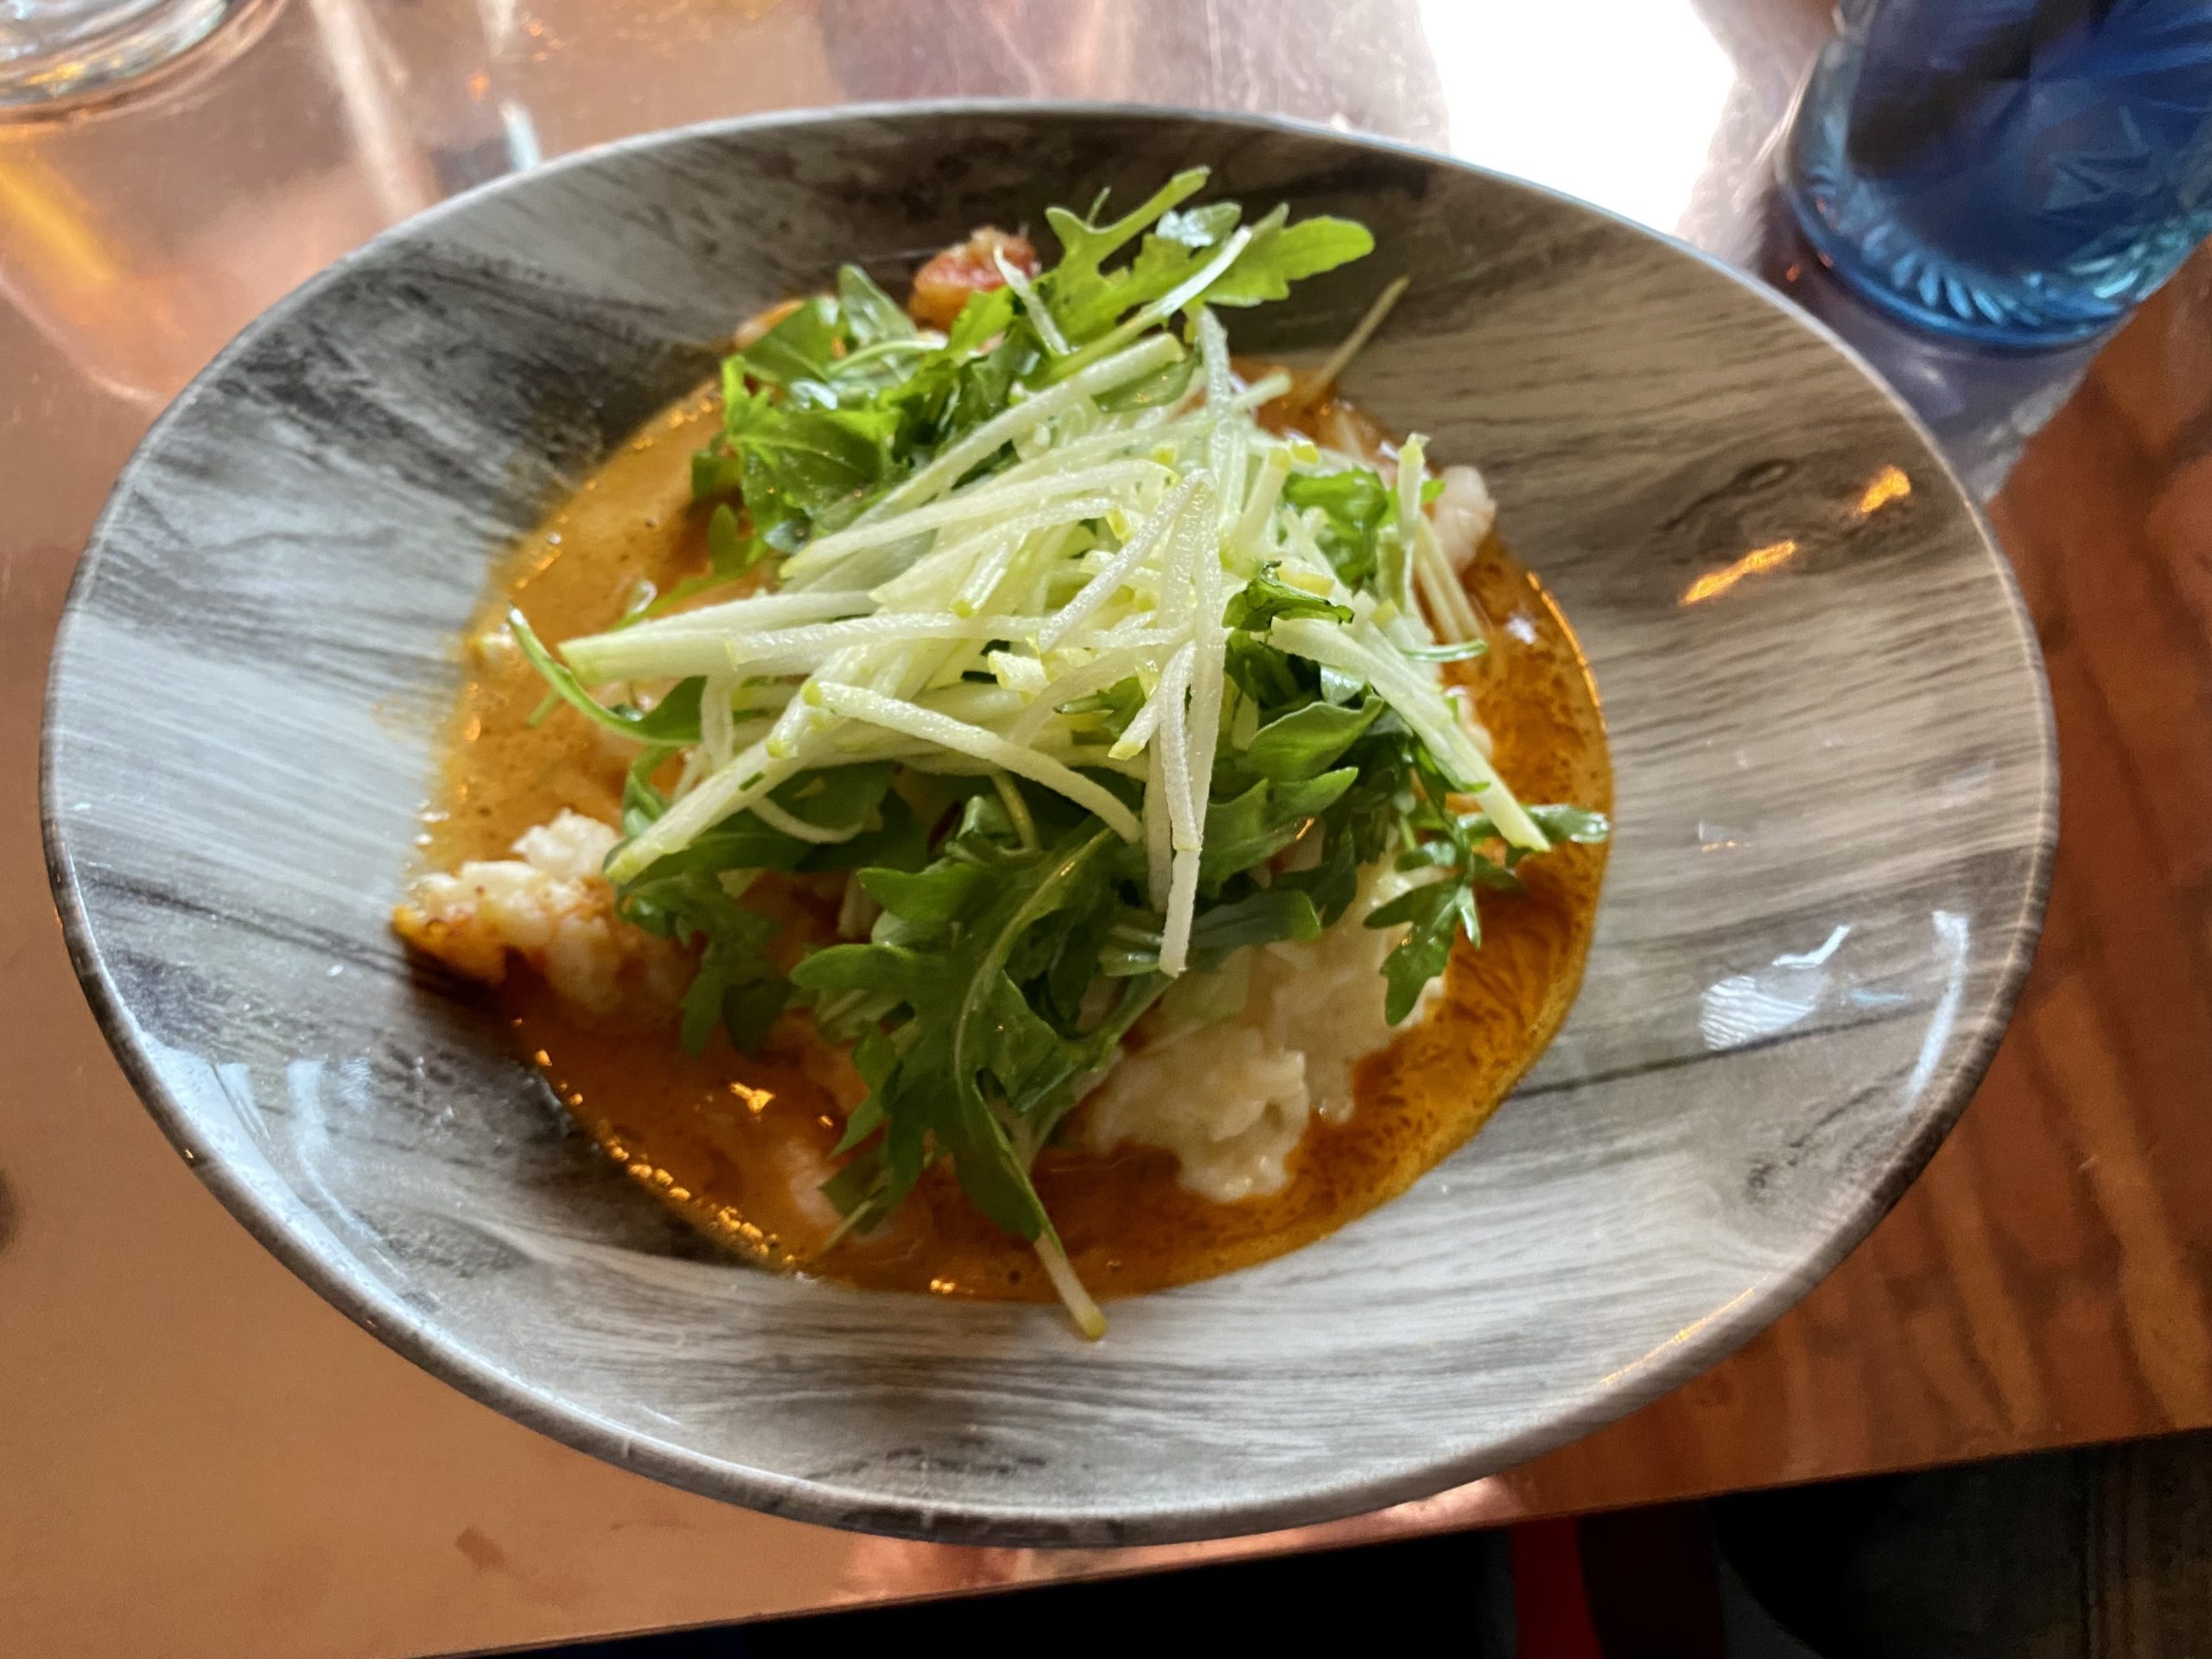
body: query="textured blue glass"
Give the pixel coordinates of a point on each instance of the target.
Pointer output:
(2016, 171)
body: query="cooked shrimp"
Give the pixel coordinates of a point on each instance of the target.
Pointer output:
(943, 285)
(1461, 515)
(552, 908)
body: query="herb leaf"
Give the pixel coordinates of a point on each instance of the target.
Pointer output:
(1253, 827)
(1440, 911)
(980, 1066)
(1281, 254)
(1305, 742)
(870, 316)
(1353, 508)
(1084, 301)
(730, 552)
(797, 355)
(1264, 601)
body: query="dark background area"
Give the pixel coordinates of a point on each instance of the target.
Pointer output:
(2104, 1552)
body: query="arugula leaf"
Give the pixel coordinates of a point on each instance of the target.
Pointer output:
(1332, 884)
(870, 316)
(1264, 601)
(1558, 824)
(697, 893)
(1112, 709)
(1356, 507)
(934, 898)
(672, 722)
(1270, 677)
(641, 801)
(730, 552)
(874, 967)
(1440, 911)
(1280, 254)
(797, 355)
(985, 317)
(1162, 386)
(1572, 823)
(1262, 918)
(806, 469)
(735, 990)
(837, 798)
(715, 473)
(1065, 970)
(1305, 742)
(980, 1066)
(899, 840)
(1085, 301)
(941, 395)
(1201, 227)
(1252, 828)
(1162, 265)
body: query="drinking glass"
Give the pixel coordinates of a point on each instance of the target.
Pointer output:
(52, 50)
(2016, 172)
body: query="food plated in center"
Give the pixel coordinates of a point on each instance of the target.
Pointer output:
(392, 448)
(993, 800)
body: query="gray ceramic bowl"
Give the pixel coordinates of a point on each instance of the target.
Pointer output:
(1835, 815)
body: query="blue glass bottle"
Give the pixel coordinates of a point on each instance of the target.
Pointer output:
(2018, 172)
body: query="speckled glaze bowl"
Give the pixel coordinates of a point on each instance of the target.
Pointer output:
(1835, 808)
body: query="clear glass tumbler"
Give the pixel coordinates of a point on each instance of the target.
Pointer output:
(52, 50)
(2018, 172)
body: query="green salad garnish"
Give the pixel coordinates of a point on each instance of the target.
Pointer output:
(1085, 677)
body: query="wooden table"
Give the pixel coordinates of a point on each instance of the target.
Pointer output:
(198, 1456)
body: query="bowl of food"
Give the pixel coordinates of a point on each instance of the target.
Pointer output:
(1042, 823)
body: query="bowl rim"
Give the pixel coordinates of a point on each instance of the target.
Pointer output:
(421, 1339)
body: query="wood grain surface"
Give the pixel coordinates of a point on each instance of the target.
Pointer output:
(2045, 1282)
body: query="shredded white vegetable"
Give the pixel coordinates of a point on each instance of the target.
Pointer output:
(1000, 498)
(930, 726)
(979, 446)
(746, 777)
(1107, 582)
(1159, 837)
(1002, 624)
